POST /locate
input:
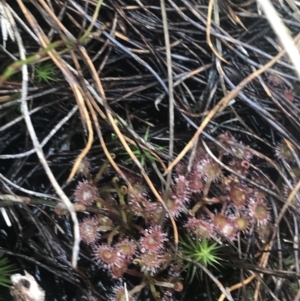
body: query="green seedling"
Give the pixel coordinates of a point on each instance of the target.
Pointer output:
(196, 251)
(143, 155)
(6, 270)
(45, 73)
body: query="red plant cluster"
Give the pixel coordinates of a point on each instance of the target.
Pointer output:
(221, 203)
(211, 199)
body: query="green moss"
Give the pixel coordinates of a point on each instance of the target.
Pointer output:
(45, 73)
(194, 251)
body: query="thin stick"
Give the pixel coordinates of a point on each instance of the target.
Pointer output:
(170, 87)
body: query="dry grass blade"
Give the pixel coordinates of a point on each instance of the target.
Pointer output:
(170, 86)
(282, 33)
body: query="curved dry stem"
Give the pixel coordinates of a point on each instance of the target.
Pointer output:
(208, 27)
(238, 285)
